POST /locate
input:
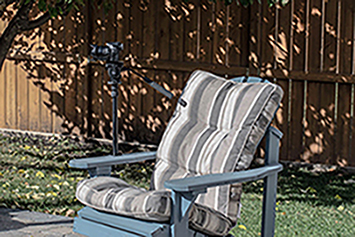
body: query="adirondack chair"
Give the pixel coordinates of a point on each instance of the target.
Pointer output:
(200, 165)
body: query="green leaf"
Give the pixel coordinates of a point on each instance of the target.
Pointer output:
(52, 11)
(42, 5)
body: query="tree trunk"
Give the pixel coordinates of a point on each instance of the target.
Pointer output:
(14, 27)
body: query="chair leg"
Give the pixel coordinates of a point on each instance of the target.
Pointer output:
(273, 137)
(180, 217)
(269, 202)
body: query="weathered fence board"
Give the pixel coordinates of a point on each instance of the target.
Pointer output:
(307, 47)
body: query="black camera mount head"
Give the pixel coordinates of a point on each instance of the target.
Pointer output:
(110, 54)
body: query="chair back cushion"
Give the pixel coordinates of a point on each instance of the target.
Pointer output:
(216, 128)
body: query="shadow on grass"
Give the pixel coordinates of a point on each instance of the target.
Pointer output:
(328, 188)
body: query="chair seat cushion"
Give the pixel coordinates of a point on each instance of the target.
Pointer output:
(116, 196)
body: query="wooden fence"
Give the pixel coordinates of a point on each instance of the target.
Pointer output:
(307, 47)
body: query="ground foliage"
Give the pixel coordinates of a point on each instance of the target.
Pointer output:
(34, 171)
(34, 175)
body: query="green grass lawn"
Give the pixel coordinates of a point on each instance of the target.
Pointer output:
(308, 204)
(34, 175)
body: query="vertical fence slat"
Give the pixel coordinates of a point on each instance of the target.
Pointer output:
(296, 127)
(97, 71)
(163, 23)
(269, 24)
(164, 31)
(343, 125)
(44, 85)
(284, 38)
(11, 94)
(34, 105)
(124, 88)
(145, 121)
(347, 28)
(57, 100)
(312, 142)
(281, 120)
(327, 126)
(58, 79)
(219, 36)
(253, 50)
(176, 26)
(190, 30)
(81, 49)
(76, 88)
(23, 101)
(315, 25)
(207, 26)
(2, 84)
(69, 72)
(235, 34)
(136, 18)
(44, 80)
(34, 92)
(299, 25)
(330, 36)
(84, 34)
(3, 95)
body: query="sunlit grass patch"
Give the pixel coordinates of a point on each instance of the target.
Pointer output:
(308, 204)
(34, 172)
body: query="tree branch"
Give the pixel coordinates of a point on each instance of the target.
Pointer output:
(37, 22)
(12, 29)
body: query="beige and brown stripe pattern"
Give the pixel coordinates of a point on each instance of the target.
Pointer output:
(215, 129)
(116, 196)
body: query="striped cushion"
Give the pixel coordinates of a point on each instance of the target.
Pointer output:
(216, 128)
(116, 196)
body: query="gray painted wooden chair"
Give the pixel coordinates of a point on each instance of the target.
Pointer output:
(200, 165)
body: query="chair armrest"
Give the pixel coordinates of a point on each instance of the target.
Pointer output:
(211, 180)
(89, 163)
